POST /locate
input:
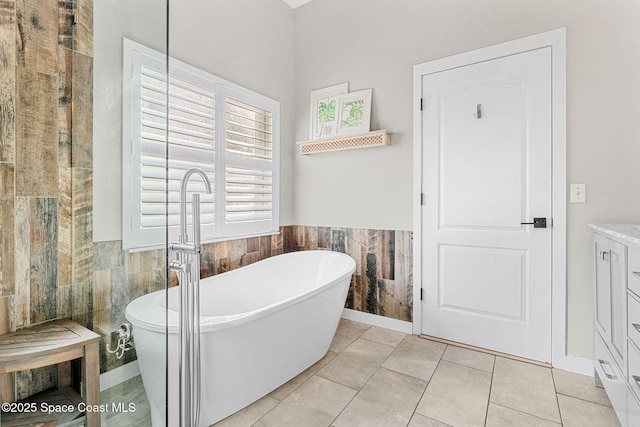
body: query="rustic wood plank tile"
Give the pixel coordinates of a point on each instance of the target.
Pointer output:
(44, 259)
(37, 38)
(356, 247)
(237, 249)
(64, 302)
(65, 23)
(207, 261)
(22, 258)
(324, 237)
(298, 235)
(109, 254)
(404, 271)
(7, 80)
(65, 83)
(82, 304)
(359, 294)
(82, 225)
(277, 242)
(265, 247)
(222, 265)
(83, 39)
(338, 240)
(36, 134)
(371, 282)
(120, 296)
(64, 227)
(253, 244)
(287, 240)
(7, 230)
(102, 300)
(82, 115)
(385, 252)
(250, 258)
(310, 238)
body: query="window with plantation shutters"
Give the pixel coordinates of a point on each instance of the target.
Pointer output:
(194, 119)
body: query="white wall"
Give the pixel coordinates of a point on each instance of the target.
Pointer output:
(145, 22)
(375, 43)
(252, 47)
(249, 43)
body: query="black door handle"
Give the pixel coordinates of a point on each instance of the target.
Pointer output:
(537, 223)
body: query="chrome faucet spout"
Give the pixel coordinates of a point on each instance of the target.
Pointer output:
(183, 198)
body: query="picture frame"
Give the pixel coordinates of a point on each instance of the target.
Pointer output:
(323, 118)
(354, 113)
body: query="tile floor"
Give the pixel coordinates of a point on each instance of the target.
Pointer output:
(378, 377)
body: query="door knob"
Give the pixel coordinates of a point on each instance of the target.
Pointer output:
(537, 223)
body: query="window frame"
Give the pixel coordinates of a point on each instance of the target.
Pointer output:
(134, 235)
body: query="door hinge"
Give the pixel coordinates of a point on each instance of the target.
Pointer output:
(421, 294)
(421, 104)
(422, 199)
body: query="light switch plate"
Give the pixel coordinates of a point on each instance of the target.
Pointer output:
(578, 193)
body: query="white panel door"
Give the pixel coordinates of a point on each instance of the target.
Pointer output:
(487, 168)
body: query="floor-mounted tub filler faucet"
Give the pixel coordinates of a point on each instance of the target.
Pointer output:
(187, 267)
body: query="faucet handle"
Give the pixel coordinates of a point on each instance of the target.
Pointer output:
(177, 266)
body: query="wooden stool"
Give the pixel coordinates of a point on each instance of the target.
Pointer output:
(53, 343)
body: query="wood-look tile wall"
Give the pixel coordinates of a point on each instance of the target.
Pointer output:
(382, 282)
(45, 176)
(120, 277)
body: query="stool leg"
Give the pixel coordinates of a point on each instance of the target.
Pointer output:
(91, 382)
(7, 389)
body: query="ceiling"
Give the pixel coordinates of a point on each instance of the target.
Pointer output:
(296, 3)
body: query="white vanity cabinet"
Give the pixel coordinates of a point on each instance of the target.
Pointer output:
(617, 317)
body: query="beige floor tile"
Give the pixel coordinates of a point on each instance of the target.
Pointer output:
(421, 421)
(356, 364)
(348, 331)
(580, 413)
(250, 414)
(525, 387)
(388, 399)
(416, 357)
(383, 336)
(470, 358)
(284, 390)
(456, 395)
(316, 403)
(500, 416)
(580, 386)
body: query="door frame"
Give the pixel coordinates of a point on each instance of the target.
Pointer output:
(556, 39)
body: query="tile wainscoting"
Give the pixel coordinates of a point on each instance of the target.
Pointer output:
(382, 282)
(380, 285)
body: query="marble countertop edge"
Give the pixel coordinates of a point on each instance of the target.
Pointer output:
(627, 232)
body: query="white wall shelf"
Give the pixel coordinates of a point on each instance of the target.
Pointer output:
(335, 143)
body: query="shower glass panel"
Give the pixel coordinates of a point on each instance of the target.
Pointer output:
(83, 228)
(130, 193)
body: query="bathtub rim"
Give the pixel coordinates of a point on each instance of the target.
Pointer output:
(155, 314)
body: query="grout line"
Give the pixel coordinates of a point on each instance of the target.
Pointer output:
(470, 367)
(526, 413)
(493, 372)
(581, 399)
(555, 389)
(428, 384)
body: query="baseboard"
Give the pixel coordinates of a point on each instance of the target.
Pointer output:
(380, 321)
(579, 365)
(119, 375)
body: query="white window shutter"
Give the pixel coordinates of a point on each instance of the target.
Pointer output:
(212, 124)
(251, 164)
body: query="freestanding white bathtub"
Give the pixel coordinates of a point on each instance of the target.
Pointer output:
(261, 325)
